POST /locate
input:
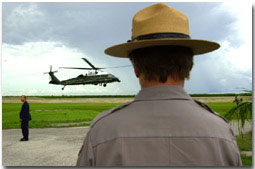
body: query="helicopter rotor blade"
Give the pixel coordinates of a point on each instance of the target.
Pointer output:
(113, 67)
(50, 71)
(76, 68)
(81, 68)
(90, 64)
(116, 67)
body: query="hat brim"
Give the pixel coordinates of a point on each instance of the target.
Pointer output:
(198, 46)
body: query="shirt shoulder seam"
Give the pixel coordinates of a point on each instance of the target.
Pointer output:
(220, 138)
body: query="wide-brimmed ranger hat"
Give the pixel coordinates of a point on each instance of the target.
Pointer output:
(161, 25)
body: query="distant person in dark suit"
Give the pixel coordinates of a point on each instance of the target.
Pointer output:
(24, 118)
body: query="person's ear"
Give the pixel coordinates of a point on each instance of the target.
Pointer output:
(137, 73)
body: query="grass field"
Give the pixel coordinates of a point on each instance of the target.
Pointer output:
(245, 144)
(46, 114)
(246, 160)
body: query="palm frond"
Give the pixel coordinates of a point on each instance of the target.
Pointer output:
(242, 112)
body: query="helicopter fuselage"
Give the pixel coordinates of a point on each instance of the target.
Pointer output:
(87, 79)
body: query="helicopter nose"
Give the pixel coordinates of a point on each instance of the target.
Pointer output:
(118, 80)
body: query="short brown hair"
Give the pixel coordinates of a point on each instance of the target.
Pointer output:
(158, 62)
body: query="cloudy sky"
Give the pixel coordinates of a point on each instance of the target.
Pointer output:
(37, 35)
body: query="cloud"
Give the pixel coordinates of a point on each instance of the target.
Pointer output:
(37, 35)
(23, 67)
(221, 71)
(19, 23)
(230, 68)
(32, 59)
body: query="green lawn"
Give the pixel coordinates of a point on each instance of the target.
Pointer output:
(246, 160)
(44, 114)
(245, 143)
(221, 107)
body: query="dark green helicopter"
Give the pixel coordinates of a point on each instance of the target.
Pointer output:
(95, 78)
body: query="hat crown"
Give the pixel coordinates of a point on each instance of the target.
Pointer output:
(159, 18)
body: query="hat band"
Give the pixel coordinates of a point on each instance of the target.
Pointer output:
(160, 36)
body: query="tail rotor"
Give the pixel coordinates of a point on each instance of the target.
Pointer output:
(50, 72)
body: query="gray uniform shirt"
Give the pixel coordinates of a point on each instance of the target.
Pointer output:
(163, 126)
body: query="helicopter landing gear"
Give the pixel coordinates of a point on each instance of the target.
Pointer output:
(63, 87)
(104, 85)
(100, 84)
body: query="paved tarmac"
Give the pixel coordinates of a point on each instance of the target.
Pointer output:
(50, 146)
(46, 147)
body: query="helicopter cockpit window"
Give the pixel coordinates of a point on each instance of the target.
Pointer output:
(110, 76)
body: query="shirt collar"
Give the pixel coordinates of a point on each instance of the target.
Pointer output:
(162, 92)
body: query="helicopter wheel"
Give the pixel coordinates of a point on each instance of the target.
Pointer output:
(104, 85)
(63, 88)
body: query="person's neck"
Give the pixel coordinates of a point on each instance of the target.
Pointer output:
(144, 83)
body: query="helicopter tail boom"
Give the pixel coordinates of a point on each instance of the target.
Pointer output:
(53, 78)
